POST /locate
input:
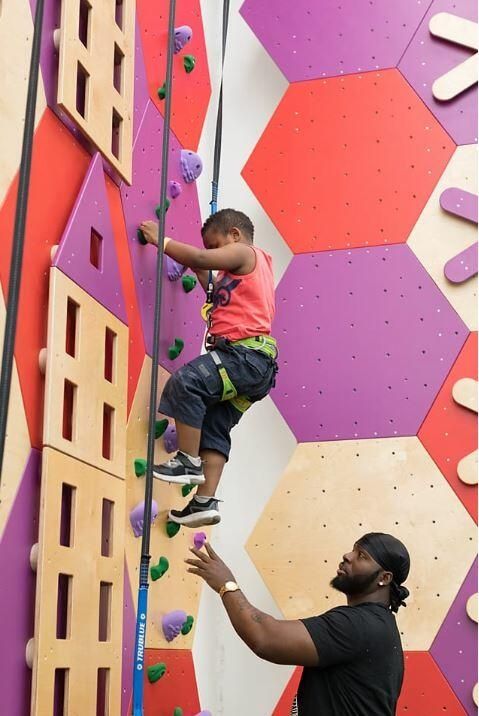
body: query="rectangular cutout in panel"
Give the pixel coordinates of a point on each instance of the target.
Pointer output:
(83, 79)
(69, 405)
(116, 134)
(96, 249)
(64, 606)
(108, 419)
(73, 310)
(102, 693)
(60, 693)
(104, 612)
(118, 69)
(67, 517)
(119, 13)
(84, 22)
(110, 354)
(107, 515)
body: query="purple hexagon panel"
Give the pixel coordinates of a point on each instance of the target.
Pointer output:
(455, 647)
(428, 58)
(312, 39)
(180, 316)
(366, 339)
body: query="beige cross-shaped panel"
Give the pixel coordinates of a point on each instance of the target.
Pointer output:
(96, 74)
(77, 650)
(330, 495)
(17, 443)
(438, 235)
(86, 378)
(16, 34)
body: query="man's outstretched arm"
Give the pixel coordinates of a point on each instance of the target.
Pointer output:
(276, 640)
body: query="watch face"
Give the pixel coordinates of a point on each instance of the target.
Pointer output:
(231, 586)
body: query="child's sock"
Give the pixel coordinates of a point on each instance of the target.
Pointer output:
(196, 461)
(203, 500)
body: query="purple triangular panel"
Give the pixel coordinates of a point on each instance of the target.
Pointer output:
(87, 252)
(17, 595)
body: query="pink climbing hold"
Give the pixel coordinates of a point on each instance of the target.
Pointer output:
(460, 203)
(191, 165)
(172, 624)
(137, 514)
(463, 266)
(170, 439)
(175, 189)
(174, 269)
(183, 35)
(199, 539)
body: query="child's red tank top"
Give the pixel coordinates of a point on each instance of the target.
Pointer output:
(243, 306)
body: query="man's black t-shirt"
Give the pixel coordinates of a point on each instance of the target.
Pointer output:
(361, 663)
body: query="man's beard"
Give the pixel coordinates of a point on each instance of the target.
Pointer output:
(353, 586)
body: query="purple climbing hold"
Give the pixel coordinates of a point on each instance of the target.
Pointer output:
(191, 165)
(174, 269)
(136, 517)
(170, 439)
(199, 539)
(175, 189)
(183, 35)
(172, 623)
(204, 713)
(463, 266)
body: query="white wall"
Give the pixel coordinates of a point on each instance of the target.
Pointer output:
(231, 680)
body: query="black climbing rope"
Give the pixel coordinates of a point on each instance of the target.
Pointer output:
(219, 116)
(145, 542)
(16, 260)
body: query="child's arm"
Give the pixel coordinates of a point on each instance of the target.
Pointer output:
(236, 257)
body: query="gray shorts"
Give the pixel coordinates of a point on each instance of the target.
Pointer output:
(193, 394)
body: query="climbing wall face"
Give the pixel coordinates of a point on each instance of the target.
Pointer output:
(79, 408)
(360, 168)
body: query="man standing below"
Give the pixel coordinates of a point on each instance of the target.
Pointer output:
(352, 654)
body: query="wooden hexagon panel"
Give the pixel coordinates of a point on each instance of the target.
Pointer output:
(331, 494)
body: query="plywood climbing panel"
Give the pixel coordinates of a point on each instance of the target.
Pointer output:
(86, 378)
(96, 74)
(79, 609)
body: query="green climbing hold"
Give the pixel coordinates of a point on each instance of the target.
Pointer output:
(156, 671)
(178, 711)
(186, 489)
(175, 349)
(189, 282)
(162, 91)
(160, 427)
(158, 570)
(189, 62)
(172, 529)
(140, 467)
(158, 208)
(188, 625)
(141, 237)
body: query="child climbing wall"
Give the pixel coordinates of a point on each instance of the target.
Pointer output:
(359, 174)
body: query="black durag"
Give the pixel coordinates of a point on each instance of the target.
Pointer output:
(392, 556)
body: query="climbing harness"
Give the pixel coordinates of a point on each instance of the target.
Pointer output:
(141, 621)
(263, 344)
(16, 260)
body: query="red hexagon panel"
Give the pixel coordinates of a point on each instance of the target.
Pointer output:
(449, 432)
(191, 92)
(425, 690)
(348, 162)
(176, 688)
